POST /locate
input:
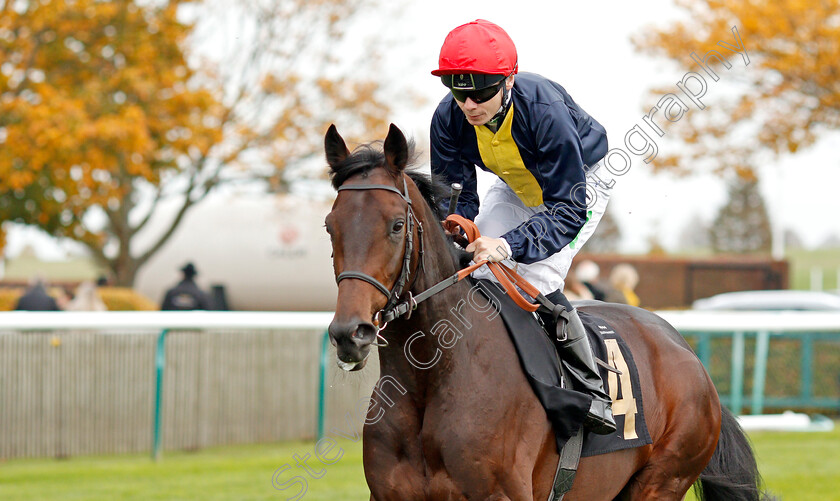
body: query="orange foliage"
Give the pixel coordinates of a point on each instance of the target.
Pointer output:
(790, 90)
(99, 100)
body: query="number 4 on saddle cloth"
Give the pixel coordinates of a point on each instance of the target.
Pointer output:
(566, 409)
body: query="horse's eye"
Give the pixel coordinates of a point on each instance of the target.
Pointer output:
(398, 226)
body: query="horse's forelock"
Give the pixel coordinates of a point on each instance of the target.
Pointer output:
(363, 159)
(367, 157)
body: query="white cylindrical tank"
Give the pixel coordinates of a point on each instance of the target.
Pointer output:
(270, 252)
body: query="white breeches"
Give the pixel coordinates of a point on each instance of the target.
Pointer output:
(501, 211)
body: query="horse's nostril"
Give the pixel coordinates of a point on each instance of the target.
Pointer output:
(341, 330)
(365, 332)
(358, 333)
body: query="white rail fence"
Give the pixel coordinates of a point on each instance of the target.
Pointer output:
(74, 383)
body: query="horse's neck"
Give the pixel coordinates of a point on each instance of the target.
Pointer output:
(424, 350)
(441, 334)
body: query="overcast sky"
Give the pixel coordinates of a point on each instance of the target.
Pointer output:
(585, 46)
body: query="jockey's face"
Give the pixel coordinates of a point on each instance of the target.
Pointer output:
(480, 114)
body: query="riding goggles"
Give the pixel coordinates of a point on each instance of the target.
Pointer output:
(478, 96)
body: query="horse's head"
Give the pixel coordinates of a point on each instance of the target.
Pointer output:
(372, 226)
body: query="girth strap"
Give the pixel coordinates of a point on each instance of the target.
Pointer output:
(567, 467)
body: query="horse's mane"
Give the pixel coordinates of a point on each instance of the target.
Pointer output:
(435, 192)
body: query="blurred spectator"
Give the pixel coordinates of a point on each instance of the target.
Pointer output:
(62, 297)
(218, 298)
(186, 295)
(575, 290)
(86, 298)
(625, 278)
(36, 298)
(589, 274)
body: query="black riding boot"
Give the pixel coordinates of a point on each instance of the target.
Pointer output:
(576, 356)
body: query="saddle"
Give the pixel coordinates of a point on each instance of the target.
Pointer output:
(564, 407)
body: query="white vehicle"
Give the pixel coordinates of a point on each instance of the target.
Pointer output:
(770, 300)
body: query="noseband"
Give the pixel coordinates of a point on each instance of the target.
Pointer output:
(397, 290)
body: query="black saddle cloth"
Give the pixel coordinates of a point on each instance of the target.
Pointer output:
(624, 389)
(566, 408)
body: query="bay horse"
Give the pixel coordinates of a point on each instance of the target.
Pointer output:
(465, 425)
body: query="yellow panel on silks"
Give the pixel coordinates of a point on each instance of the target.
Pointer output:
(501, 155)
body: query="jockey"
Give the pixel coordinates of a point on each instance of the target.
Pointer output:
(528, 131)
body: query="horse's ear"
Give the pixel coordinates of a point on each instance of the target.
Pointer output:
(396, 149)
(335, 147)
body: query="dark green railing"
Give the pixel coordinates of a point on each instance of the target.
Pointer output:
(790, 359)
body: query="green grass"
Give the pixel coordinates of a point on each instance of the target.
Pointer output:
(796, 467)
(240, 473)
(801, 262)
(799, 466)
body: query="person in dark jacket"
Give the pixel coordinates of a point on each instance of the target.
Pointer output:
(36, 298)
(545, 205)
(186, 295)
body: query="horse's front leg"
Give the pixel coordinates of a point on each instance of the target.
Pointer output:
(400, 481)
(393, 459)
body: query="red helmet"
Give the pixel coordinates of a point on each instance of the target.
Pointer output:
(477, 47)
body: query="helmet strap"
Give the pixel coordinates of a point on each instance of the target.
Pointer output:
(494, 123)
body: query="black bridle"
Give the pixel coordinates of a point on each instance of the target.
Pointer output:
(391, 310)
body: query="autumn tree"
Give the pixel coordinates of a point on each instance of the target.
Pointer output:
(110, 109)
(655, 245)
(694, 235)
(787, 96)
(741, 225)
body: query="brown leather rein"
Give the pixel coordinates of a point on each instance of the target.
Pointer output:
(394, 308)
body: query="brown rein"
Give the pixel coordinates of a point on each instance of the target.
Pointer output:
(508, 278)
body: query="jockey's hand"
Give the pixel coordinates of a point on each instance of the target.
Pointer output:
(491, 249)
(452, 229)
